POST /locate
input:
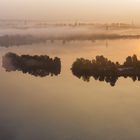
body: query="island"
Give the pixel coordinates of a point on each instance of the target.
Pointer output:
(103, 69)
(35, 65)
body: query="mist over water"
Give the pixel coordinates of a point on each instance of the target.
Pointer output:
(69, 69)
(41, 95)
(17, 33)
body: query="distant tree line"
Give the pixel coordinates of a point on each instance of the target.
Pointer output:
(36, 65)
(18, 40)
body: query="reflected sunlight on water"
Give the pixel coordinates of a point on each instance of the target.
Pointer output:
(64, 107)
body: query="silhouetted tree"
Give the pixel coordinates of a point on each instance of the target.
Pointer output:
(35, 65)
(103, 69)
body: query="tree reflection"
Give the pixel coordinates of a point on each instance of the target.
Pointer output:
(35, 65)
(103, 69)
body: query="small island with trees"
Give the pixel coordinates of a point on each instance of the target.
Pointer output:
(35, 65)
(103, 69)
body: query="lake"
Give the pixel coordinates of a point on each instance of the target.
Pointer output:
(64, 107)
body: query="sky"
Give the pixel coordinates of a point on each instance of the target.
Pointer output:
(72, 10)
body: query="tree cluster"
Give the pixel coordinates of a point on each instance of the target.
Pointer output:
(103, 69)
(36, 65)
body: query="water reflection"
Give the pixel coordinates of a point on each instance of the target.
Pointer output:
(103, 69)
(35, 65)
(6, 133)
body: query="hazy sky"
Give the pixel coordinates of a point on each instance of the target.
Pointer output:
(67, 10)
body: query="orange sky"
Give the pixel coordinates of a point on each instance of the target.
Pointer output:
(71, 10)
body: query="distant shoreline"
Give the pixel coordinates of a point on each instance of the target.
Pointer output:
(17, 40)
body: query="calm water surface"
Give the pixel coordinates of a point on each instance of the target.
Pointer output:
(64, 107)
